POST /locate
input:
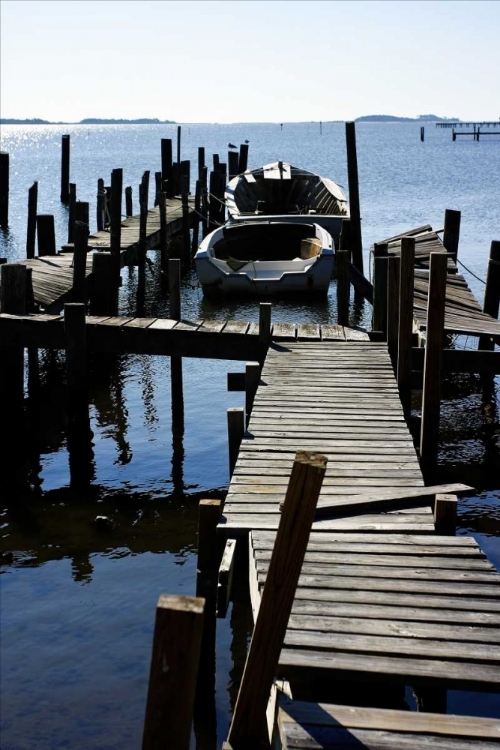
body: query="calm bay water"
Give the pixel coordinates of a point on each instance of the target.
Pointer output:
(78, 602)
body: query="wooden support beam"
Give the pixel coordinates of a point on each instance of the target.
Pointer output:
(405, 332)
(451, 234)
(225, 584)
(65, 152)
(173, 673)
(352, 175)
(252, 380)
(431, 396)
(343, 286)
(445, 514)
(491, 302)
(393, 264)
(80, 261)
(248, 726)
(46, 234)
(236, 381)
(235, 432)
(31, 230)
(265, 310)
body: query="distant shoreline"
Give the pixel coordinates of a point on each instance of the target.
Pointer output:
(87, 121)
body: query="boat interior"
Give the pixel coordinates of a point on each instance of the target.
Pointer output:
(298, 192)
(244, 243)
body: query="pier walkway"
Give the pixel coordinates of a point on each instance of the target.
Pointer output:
(381, 596)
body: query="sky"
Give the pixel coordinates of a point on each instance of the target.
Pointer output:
(255, 61)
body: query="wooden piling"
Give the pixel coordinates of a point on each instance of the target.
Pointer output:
(82, 212)
(233, 163)
(166, 165)
(143, 220)
(248, 726)
(422, 133)
(173, 673)
(208, 560)
(176, 377)
(197, 218)
(157, 187)
(4, 188)
(46, 234)
(406, 287)
(201, 162)
(343, 288)
(216, 206)
(116, 215)
(31, 230)
(445, 515)
(265, 309)
(204, 200)
(104, 289)
(80, 261)
(185, 215)
(380, 288)
(79, 433)
(13, 288)
(252, 380)
(451, 234)
(174, 279)
(13, 300)
(129, 210)
(178, 144)
(71, 202)
(491, 302)
(453, 135)
(345, 239)
(101, 205)
(243, 158)
(162, 198)
(431, 396)
(65, 150)
(216, 161)
(393, 263)
(235, 432)
(352, 175)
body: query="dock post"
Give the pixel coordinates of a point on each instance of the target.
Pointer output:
(197, 217)
(209, 557)
(166, 165)
(13, 300)
(453, 135)
(352, 175)
(185, 215)
(129, 211)
(345, 239)
(451, 234)
(214, 205)
(71, 211)
(176, 379)
(406, 288)
(491, 302)
(157, 187)
(431, 396)
(235, 432)
(65, 149)
(232, 163)
(201, 161)
(82, 212)
(80, 260)
(174, 278)
(393, 263)
(101, 205)
(216, 161)
(4, 188)
(248, 726)
(343, 289)
(178, 144)
(162, 204)
(104, 290)
(243, 158)
(115, 223)
(171, 691)
(422, 133)
(380, 288)
(445, 515)
(79, 432)
(252, 380)
(31, 230)
(143, 221)
(46, 234)
(265, 309)
(204, 201)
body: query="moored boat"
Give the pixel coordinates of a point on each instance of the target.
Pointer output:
(266, 258)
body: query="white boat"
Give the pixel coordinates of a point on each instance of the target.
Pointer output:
(282, 192)
(266, 258)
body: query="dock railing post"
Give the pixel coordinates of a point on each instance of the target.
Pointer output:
(406, 289)
(243, 158)
(166, 165)
(179, 129)
(116, 217)
(162, 204)
(46, 234)
(491, 302)
(201, 161)
(393, 264)
(104, 289)
(252, 380)
(431, 396)
(445, 514)
(143, 222)
(80, 261)
(185, 215)
(176, 379)
(232, 163)
(101, 205)
(354, 207)
(235, 432)
(4, 188)
(31, 230)
(380, 288)
(197, 218)
(451, 234)
(157, 187)
(173, 672)
(248, 725)
(343, 287)
(129, 211)
(265, 310)
(71, 202)
(65, 150)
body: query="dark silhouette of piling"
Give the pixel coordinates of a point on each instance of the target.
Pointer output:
(65, 149)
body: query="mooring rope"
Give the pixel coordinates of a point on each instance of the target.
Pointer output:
(471, 272)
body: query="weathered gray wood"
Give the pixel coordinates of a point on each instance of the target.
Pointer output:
(405, 323)
(431, 397)
(393, 264)
(174, 668)
(405, 496)
(352, 175)
(445, 513)
(208, 517)
(248, 723)
(380, 293)
(80, 261)
(226, 570)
